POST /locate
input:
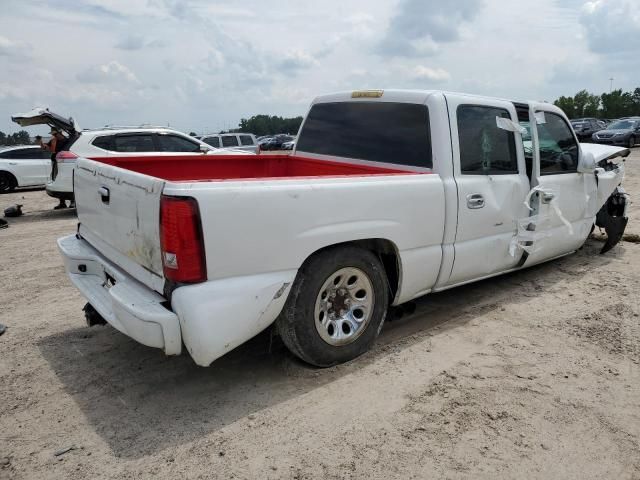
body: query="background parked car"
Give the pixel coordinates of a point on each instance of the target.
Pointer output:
(23, 166)
(110, 141)
(624, 132)
(275, 142)
(289, 145)
(586, 127)
(237, 141)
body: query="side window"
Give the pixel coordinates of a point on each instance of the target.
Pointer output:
(229, 141)
(213, 141)
(246, 140)
(174, 143)
(10, 155)
(558, 147)
(105, 142)
(26, 154)
(485, 149)
(133, 143)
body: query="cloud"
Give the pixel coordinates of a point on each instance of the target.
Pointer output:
(296, 60)
(133, 42)
(112, 72)
(422, 25)
(436, 75)
(612, 27)
(14, 49)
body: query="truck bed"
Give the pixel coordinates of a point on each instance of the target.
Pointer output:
(208, 168)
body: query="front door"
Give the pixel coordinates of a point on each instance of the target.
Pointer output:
(492, 183)
(563, 202)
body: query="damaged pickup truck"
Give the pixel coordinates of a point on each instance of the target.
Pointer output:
(388, 196)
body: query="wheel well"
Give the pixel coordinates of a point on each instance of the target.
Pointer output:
(386, 251)
(11, 176)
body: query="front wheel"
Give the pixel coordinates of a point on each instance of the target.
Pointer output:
(336, 307)
(632, 142)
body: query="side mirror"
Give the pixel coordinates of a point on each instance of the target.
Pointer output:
(587, 163)
(204, 149)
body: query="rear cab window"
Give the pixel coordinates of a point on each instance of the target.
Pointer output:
(388, 132)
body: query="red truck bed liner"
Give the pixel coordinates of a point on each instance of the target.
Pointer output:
(181, 168)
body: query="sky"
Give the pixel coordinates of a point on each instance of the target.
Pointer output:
(202, 65)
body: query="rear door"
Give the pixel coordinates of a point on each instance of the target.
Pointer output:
(492, 183)
(119, 214)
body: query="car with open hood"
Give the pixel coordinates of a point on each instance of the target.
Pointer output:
(107, 142)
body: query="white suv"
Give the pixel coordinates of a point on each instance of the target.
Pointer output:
(237, 141)
(108, 142)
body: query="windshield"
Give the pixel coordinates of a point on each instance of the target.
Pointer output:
(621, 125)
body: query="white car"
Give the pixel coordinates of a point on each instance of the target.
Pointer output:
(110, 142)
(23, 166)
(389, 195)
(237, 141)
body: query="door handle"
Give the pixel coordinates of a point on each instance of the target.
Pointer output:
(12, 163)
(475, 200)
(104, 194)
(547, 197)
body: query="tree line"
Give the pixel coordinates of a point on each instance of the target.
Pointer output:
(611, 105)
(19, 138)
(268, 125)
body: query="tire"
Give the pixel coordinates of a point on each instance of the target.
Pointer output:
(632, 141)
(8, 182)
(336, 307)
(92, 316)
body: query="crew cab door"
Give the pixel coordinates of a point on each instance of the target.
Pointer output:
(491, 179)
(565, 204)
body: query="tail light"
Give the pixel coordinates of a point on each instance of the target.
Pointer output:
(183, 258)
(65, 156)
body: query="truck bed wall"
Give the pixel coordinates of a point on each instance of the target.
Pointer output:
(229, 167)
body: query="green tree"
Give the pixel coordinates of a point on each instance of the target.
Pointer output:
(566, 104)
(269, 125)
(617, 104)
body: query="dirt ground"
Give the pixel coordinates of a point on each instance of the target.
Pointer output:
(530, 375)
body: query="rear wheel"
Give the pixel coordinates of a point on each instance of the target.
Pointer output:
(8, 182)
(336, 307)
(632, 141)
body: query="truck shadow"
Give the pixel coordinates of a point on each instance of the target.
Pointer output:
(141, 402)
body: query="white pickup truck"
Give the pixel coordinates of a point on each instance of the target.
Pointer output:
(388, 196)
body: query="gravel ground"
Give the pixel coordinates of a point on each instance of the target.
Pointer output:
(534, 374)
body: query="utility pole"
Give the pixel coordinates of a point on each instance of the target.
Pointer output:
(611, 84)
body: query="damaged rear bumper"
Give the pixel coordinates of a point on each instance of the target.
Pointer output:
(129, 306)
(211, 318)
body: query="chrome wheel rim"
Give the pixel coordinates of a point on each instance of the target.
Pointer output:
(344, 306)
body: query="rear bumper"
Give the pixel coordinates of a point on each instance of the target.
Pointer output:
(129, 306)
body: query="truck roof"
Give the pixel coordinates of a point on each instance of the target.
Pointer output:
(394, 95)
